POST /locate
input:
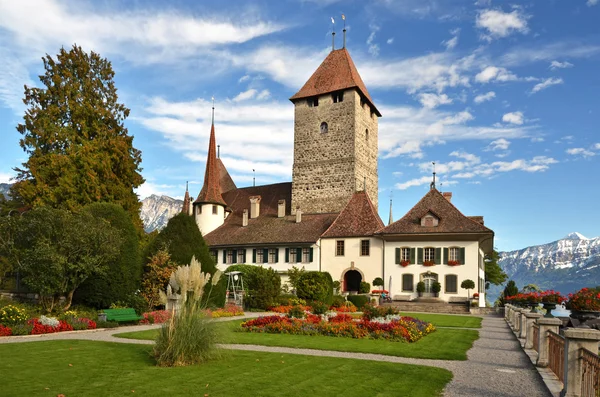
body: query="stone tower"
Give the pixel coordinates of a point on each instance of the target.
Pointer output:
(335, 138)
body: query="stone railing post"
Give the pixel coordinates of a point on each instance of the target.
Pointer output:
(507, 312)
(518, 314)
(515, 314)
(575, 340)
(530, 320)
(523, 324)
(546, 324)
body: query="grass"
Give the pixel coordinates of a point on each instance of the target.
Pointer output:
(443, 344)
(87, 368)
(444, 320)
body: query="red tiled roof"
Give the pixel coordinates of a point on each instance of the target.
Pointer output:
(211, 190)
(225, 180)
(336, 72)
(267, 228)
(451, 220)
(358, 218)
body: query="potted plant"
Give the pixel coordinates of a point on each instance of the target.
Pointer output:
(585, 304)
(428, 263)
(378, 282)
(404, 263)
(420, 288)
(364, 287)
(468, 285)
(550, 299)
(453, 263)
(436, 287)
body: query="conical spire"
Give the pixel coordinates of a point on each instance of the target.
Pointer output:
(186, 200)
(211, 190)
(391, 220)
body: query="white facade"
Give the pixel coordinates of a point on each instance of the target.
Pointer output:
(208, 217)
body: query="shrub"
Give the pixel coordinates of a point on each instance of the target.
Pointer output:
(315, 286)
(378, 282)
(318, 307)
(364, 287)
(421, 287)
(22, 329)
(124, 273)
(290, 300)
(262, 286)
(436, 287)
(10, 315)
(296, 312)
(338, 301)
(370, 312)
(107, 324)
(358, 300)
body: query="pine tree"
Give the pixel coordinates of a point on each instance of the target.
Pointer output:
(73, 131)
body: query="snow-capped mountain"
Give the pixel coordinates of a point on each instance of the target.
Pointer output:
(4, 189)
(565, 265)
(157, 210)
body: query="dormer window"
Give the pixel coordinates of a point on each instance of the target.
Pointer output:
(429, 220)
(338, 96)
(313, 102)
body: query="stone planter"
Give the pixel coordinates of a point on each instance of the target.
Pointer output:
(549, 306)
(584, 315)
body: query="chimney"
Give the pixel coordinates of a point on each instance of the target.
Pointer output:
(254, 206)
(245, 218)
(298, 215)
(447, 196)
(280, 208)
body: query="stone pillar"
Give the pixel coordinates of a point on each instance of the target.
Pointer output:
(575, 340)
(546, 324)
(523, 323)
(517, 319)
(531, 317)
(507, 308)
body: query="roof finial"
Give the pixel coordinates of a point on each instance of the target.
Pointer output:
(218, 151)
(391, 220)
(253, 177)
(432, 186)
(213, 110)
(364, 183)
(186, 185)
(332, 34)
(344, 19)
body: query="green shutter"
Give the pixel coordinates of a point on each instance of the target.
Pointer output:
(234, 256)
(224, 256)
(397, 256)
(462, 256)
(254, 255)
(446, 255)
(276, 255)
(298, 255)
(265, 255)
(420, 256)
(310, 259)
(244, 255)
(437, 257)
(287, 255)
(412, 255)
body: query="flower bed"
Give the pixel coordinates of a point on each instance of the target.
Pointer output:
(286, 309)
(393, 327)
(586, 299)
(44, 324)
(156, 317)
(227, 311)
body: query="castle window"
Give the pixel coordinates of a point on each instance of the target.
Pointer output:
(259, 256)
(451, 284)
(215, 209)
(453, 254)
(229, 257)
(429, 254)
(313, 102)
(306, 255)
(365, 248)
(199, 209)
(339, 248)
(324, 128)
(362, 101)
(367, 135)
(407, 282)
(338, 96)
(273, 255)
(241, 256)
(405, 254)
(292, 255)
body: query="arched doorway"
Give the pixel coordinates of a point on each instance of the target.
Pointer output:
(352, 280)
(429, 278)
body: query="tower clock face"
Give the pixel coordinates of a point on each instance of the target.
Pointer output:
(324, 128)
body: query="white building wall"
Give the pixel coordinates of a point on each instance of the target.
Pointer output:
(206, 220)
(469, 270)
(370, 266)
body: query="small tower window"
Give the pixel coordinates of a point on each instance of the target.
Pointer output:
(338, 96)
(367, 135)
(313, 102)
(324, 128)
(215, 210)
(199, 211)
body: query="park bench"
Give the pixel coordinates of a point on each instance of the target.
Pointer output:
(121, 315)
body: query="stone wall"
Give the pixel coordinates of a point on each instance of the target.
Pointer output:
(330, 167)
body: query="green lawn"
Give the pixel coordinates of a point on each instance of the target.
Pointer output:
(86, 368)
(443, 344)
(444, 320)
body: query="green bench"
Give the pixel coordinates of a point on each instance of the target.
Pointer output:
(121, 315)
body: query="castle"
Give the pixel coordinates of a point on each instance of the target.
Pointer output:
(326, 219)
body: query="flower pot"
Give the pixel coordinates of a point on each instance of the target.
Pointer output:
(584, 315)
(549, 306)
(533, 307)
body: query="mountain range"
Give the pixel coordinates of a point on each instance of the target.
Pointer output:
(4, 189)
(157, 210)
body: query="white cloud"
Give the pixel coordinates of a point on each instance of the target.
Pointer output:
(243, 96)
(596, 146)
(264, 94)
(513, 118)
(546, 83)
(493, 73)
(501, 24)
(431, 101)
(498, 144)
(580, 152)
(424, 180)
(484, 97)
(453, 42)
(526, 54)
(471, 158)
(149, 188)
(244, 78)
(390, 40)
(591, 3)
(560, 65)
(373, 47)
(6, 177)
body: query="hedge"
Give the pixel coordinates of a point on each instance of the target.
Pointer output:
(358, 300)
(262, 286)
(315, 286)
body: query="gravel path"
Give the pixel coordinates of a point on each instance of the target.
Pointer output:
(496, 365)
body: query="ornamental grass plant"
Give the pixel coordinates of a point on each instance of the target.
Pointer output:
(190, 336)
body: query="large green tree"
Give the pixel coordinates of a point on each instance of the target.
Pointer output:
(57, 251)
(74, 134)
(493, 272)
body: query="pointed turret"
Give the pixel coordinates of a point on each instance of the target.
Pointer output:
(186, 209)
(391, 220)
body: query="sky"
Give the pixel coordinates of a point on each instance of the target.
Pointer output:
(502, 96)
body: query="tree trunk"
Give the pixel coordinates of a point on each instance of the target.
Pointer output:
(69, 300)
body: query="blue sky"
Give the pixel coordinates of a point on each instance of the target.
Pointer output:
(503, 96)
